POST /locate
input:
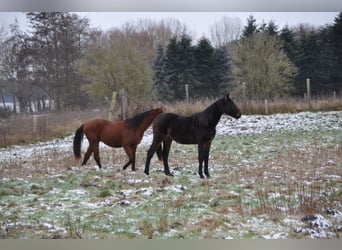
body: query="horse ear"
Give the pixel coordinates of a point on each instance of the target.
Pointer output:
(226, 97)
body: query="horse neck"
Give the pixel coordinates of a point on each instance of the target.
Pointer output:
(146, 122)
(213, 113)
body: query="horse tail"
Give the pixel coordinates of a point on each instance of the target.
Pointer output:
(160, 152)
(78, 141)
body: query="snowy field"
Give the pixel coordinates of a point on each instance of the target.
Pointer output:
(275, 176)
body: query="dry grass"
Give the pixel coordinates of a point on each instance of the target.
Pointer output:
(291, 105)
(23, 129)
(20, 129)
(283, 105)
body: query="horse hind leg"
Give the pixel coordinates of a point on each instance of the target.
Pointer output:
(97, 154)
(87, 155)
(166, 150)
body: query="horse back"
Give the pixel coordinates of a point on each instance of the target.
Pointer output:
(108, 132)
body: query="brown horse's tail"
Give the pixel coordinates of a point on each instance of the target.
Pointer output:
(160, 152)
(78, 141)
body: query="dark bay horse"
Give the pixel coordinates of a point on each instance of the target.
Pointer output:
(127, 134)
(199, 128)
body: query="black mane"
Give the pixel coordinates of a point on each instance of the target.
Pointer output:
(208, 117)
(137, 119)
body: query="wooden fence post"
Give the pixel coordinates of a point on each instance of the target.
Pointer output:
(187, 92)
(123, 104)
(244, 96)
(112, 106)
(308, 95)
(266, 107)
(39, 126)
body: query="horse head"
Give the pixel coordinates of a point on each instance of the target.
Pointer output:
(229, 107)
(157, 111)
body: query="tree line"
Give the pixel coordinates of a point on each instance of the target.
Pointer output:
(61, 62)
(202, 67)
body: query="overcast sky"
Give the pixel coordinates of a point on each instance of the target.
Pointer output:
(198, 22)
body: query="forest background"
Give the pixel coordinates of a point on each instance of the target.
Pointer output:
(63, 63)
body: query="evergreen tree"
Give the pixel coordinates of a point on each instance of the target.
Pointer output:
(272, 28)
(287, 35)
(204, 83)
(179, 66)
(221, 71)
(204, 68)
(336, 39)
(307, 59)
(170, 74)
(160, 87)
(250, 28)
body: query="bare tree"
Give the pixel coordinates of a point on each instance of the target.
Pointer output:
(226, 30)
(14, 69)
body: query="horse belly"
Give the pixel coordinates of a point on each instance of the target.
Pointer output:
(113, 142)
(184, 138)
(112, 138)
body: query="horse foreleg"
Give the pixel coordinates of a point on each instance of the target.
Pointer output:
(206, 160)
(130, 151)
(200, 160)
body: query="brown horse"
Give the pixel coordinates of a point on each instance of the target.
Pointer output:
(127, 134)
(199, 128)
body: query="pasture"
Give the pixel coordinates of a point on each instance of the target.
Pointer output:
(275, 176)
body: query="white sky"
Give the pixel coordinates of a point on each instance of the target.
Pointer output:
(198, 22)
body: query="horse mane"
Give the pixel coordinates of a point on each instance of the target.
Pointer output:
(137, 119)
(204, 117)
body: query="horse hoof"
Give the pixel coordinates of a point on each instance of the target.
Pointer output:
(147, 173)
(169, 174)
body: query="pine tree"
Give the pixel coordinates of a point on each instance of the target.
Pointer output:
(336, 38)
(250, 28)
(160, 87)
(179, 66)
(307, 59)
(204, 84)
(290, 45)
(272, 28)
(221, 71)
